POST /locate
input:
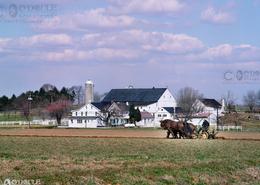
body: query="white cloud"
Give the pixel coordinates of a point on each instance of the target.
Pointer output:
(146, 41)
(65, 55)
(98, 54)
(46, 39)
(213, 15)
(3, 43)
(128, 45)
(179, 43)
(224, 50)
(146, 6)
(91, 19)
(226, 53)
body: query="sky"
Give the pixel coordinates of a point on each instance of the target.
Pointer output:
(210, 45)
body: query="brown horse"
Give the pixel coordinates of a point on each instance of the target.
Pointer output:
(184, 129)
(173, 128)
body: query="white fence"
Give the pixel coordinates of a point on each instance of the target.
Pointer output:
(34, 122)
(228, 128)
(3, 123)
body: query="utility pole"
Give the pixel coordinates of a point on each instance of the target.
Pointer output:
(217, 119)
(29, 109)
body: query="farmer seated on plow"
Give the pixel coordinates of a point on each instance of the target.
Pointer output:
(205, 126)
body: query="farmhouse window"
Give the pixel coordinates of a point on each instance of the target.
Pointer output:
(79, 121)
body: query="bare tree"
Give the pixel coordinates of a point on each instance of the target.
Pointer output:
(250, 100)
(186, 99)
(26, 111)
(230, 101)
(78, 94)
(97, 97)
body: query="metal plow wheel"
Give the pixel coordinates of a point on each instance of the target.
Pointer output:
(203, 135)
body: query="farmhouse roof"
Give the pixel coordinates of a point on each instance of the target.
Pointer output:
(201, 115)
(135, 95)
(146, 115)
(210, 102)
(123, 107)
(101, 105)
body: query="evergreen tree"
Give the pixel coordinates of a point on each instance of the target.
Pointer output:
(134, 114)
(138, 116)
(131, 113)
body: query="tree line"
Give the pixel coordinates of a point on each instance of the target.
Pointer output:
(46, 102)
(41, 98)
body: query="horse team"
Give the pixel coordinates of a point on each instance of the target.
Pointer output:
(178, 129)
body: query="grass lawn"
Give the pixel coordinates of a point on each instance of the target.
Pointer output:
(129, 161)
(12, 117)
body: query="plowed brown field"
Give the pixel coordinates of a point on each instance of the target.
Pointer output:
(114, 133)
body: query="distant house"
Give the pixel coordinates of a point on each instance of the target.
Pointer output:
(147, 120)
(210, 109)
(155, 104)
(119, 114)
(88, 116)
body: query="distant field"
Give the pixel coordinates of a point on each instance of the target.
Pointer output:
(129, 161)
(12, 117)
(252, 125)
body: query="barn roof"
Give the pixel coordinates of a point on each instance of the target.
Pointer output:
(135, 96)
(210, 102)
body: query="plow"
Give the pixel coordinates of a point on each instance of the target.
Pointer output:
(206, 133)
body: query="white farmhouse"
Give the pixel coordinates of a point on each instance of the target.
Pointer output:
(210, 111)
(87, 116)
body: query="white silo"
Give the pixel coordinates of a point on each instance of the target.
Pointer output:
(89, 88)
